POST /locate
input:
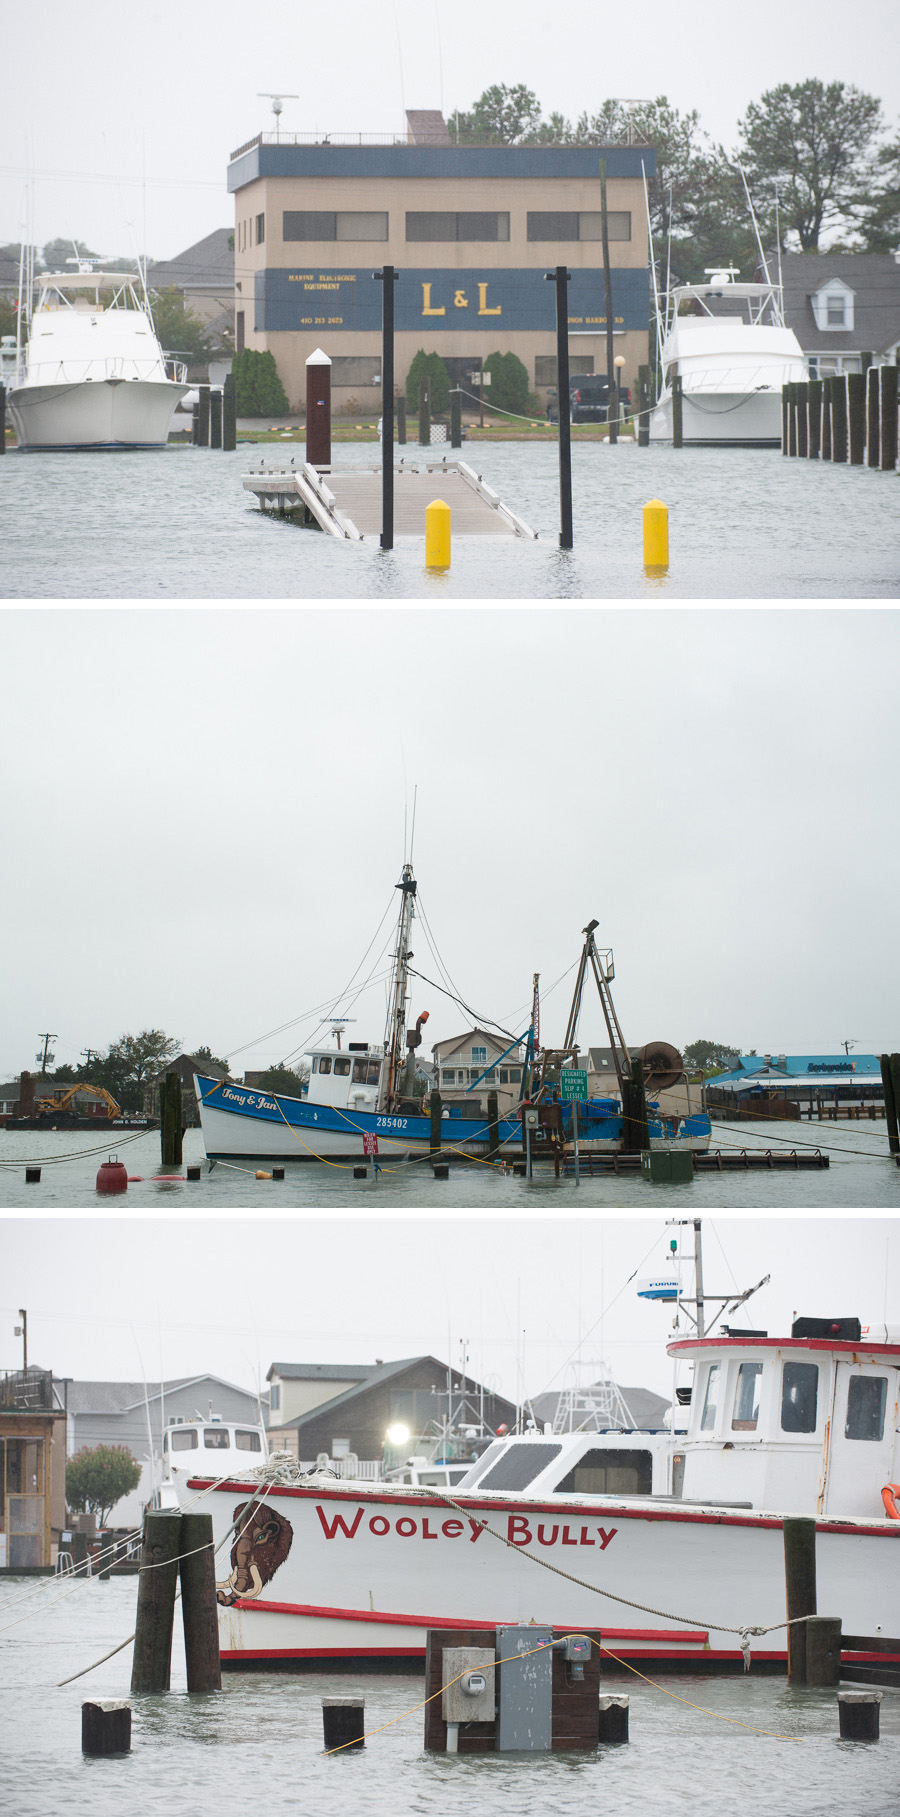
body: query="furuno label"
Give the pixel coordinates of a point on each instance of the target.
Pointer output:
(521, 1530)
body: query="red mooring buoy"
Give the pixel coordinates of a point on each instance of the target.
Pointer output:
(113, 1176)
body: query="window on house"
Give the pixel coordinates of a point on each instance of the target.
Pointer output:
(585, 224)
(340, 1447)
(515, 1075)
(836, 311)
(440, 225)
(275, 1397)
(479, 1056)
(745, 1417)
(711, 1403)
(448, 1076)
(866, 1397)
(504, 1076)
(260, 229)
(799, 1397)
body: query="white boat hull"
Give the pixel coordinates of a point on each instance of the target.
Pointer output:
(95, 413)
(737, 419)
(364, 1573)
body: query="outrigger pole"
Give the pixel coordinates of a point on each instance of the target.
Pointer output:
(397, 1013)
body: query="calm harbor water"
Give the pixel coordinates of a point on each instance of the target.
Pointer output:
(258, 1744)
(176, 524)
(861, 1175)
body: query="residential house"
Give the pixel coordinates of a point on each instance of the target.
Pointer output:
(844, 308)
(351, 1407)
(204, 274)
(480, 1059)
(185, 1066)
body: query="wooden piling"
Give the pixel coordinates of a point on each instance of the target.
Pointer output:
(635, 1133)
(785, 415)
(839, 418)
(873, 414)
(436, 1108)
(388, 276)
(195, 424)
(643, 392)
(215, 419)
(895, 1081)
(170, 1120)
(823, 1650)
(199, 1608)
(802, 420)
(677, 412)
(826, 417)
(890, 1105)
(318, 409)
(456, 418)
(401, 421)
(152, 1658)
(560, 277)
(859, 1714)
(32, 1176)
(2, 419)
(424, 414)
(203, 417)
(856, 417)
(106, 1728)
(800, 1589)
(792, 417)
(814, 390)
(493, 1126)
(888, 418)
(613, 1726)
(612, 379)
(229, 415)
(344, 1723)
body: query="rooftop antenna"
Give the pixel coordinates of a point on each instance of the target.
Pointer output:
(276, 100)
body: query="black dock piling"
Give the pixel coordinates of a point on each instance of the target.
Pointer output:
(157, 1583)
(560, 277)
(814, 390)
(424, 414)
(613, 1720)
(388, 276)
(856, 415)
(677, 412)
(203, 417)
(215, 418)
(456, 417)
(859, 1714)
(785, 414)
(435, 1108)
(229, 415)
(888, 418)
(839, 418)
(401, 422)
(493, 1126)
(803, 421)
(32, 1176)
(344, 1723)
(612, 377)
(800, 1590)
(199, 1608)
(318, 409)
(2, 419)
(873, 424)
(106, 1728)
(890, 1078)
(170, 1120)
(823, 1650)
(792, 417)
(643, 392)
(827, 413)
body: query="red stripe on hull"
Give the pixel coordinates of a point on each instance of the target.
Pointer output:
(698, 1637)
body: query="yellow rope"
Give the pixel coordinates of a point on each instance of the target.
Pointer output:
(734, 1720)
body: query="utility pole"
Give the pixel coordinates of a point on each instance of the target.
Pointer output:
(43, 1058)
(90, 1053)
(21, 1331)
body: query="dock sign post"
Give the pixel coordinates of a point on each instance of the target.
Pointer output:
(573, 1088)
(370, 1143)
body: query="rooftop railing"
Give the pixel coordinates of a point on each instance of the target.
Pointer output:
(422, 140)
(26, 1391)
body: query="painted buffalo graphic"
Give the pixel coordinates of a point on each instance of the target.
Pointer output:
(262, 1541)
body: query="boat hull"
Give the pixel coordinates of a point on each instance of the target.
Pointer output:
(94, 414)
(729, 419)
(242, 1124)
(364, 1573)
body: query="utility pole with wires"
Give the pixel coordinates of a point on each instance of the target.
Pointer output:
(42, 1059)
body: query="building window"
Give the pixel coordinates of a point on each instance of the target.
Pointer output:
(582, 225)
(799, 1397)
(745, 1417)
(436, 225)
(260, 230)
(355, 369)
(448, 1076)
(322, 224)
(866, 1396)
(836, 311)
(504, 1076)
(340, 1447)
(479, 1056)
(275, 1397)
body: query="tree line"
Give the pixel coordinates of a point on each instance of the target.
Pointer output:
(129, 1064)
(816, 156)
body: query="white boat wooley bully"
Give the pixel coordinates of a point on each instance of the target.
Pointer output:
(94, 375)
(669, 1541)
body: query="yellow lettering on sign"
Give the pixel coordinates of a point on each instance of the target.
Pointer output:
(460, 300)
(426, 302)
(482, 302)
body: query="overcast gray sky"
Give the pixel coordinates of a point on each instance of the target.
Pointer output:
(109, 1300)
(203, 813)
(127, 117)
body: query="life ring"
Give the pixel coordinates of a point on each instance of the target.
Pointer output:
(888, 1493)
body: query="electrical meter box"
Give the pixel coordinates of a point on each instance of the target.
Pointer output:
(531, 1118)
(524, 1681)
(472, 1697)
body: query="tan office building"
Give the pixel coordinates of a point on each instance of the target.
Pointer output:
(471, 230)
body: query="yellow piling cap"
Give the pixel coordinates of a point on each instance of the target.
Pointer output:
(437, 534)
(656, 534)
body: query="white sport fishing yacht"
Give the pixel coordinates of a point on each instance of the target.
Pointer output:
(94, 374)
(728, 343)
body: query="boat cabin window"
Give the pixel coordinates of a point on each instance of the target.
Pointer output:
(365, 1072)
(477, 1470)
(519, 1466)
(799, 1397)
(323, 1065)
(609, 1472)
(711, 1403)
(745, 1417)
(215, 1438)
(183, 1438)
(866, 1396)
(342, 1068)
(248, 1441)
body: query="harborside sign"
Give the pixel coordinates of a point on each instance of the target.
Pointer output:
(521, 1529)
(448, 301)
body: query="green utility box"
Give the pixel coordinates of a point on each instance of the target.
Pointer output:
(672, 1167)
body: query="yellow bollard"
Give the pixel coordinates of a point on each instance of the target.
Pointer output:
(656, 534)
(437, 534)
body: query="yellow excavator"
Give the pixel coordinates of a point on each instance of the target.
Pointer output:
(65, 1106)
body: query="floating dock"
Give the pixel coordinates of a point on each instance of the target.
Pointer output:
(346, 501)
(718, 1160)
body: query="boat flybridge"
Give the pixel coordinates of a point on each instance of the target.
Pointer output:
(220, 1448)
(728, 343)
(93, 375)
